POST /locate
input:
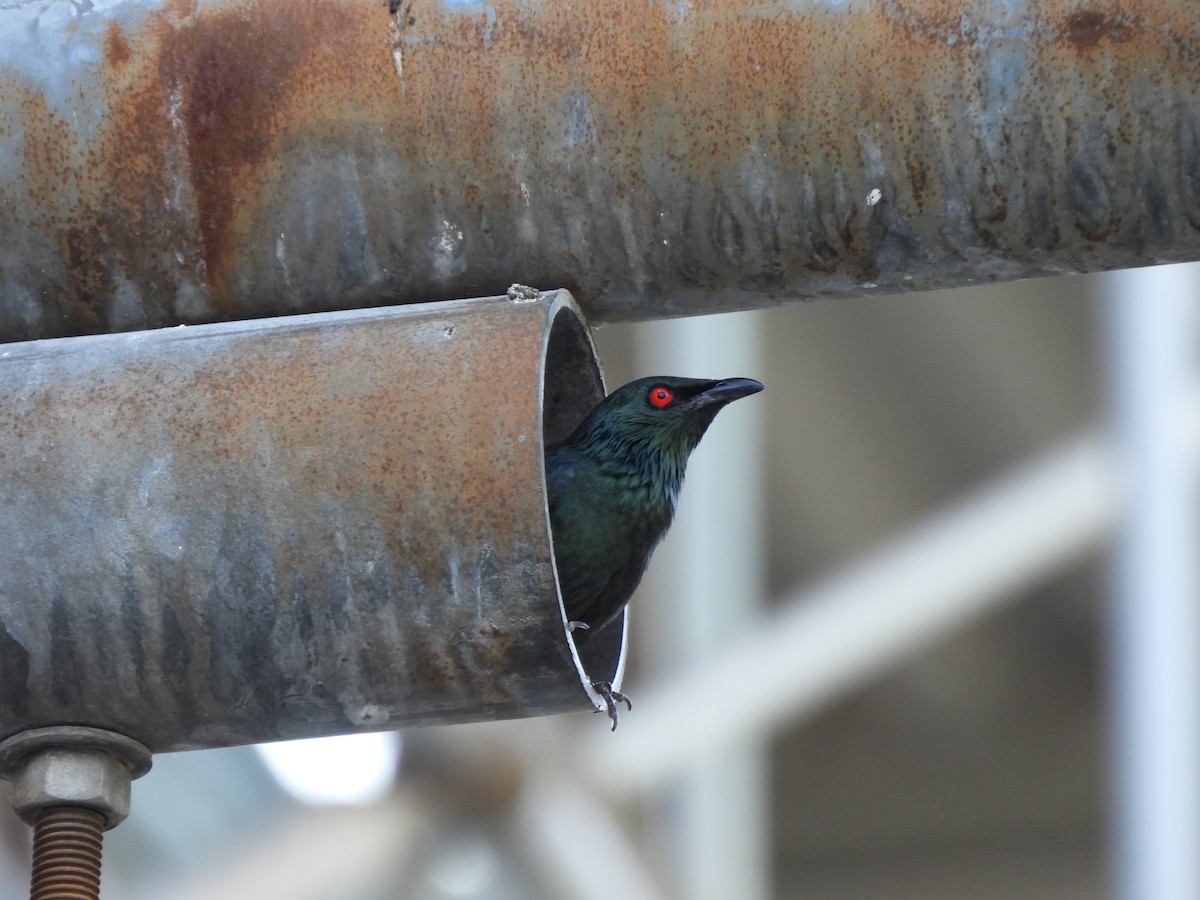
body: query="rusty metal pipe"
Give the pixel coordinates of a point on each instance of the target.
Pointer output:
(177, 161)
(290, 527)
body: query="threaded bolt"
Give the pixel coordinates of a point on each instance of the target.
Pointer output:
(71, 783)
(66, 854)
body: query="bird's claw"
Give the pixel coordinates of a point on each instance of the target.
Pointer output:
(611, 699)
(575, 625)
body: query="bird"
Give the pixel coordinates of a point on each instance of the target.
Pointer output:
(612, 486)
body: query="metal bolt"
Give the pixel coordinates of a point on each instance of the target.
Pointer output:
(71, 784)
(91, 779)
(66, 854)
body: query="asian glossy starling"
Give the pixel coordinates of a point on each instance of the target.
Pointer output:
(612, 488)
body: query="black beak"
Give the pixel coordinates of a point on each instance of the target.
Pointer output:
(728, 390)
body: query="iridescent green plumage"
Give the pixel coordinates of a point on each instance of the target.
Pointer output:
(613, 485)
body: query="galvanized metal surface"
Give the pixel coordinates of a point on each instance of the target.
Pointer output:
(286, 528)
(184, 161)
(68, 777)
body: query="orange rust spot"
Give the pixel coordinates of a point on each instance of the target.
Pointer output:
(116, 47)
(1085, 29)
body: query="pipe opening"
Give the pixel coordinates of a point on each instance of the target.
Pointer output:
(572, 382)
(572, 385)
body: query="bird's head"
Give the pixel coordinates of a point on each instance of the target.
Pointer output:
(660, 415)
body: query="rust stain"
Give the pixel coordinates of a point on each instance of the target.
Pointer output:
(1087, 28)
(49, 183)
(928, 20)
(472, 469)
(202, 114)
(116, 47)
(231, 74)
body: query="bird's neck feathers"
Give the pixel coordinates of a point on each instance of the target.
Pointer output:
(653, 455)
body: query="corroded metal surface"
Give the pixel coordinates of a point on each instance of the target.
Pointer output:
(183, 161)
(280, 528)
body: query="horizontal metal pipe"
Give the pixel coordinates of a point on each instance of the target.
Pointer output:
(172, 161)
(289, 527)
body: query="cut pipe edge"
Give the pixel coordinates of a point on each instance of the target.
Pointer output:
(292, 527)
(569, 348)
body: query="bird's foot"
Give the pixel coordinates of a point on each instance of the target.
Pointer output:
(611, 699)
(574, 625)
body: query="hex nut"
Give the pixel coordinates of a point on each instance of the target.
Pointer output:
(60, 776)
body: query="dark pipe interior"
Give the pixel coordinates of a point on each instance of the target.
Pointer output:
(573, 384)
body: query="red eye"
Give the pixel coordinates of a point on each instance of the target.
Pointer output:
(660, 396)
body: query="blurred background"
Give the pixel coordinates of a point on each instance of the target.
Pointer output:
(872, 659)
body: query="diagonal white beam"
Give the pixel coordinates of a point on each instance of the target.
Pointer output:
(575, 844)
(829, 639)
(707, 583)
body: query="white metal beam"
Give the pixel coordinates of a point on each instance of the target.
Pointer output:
(707, 584)
(1153, 319)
